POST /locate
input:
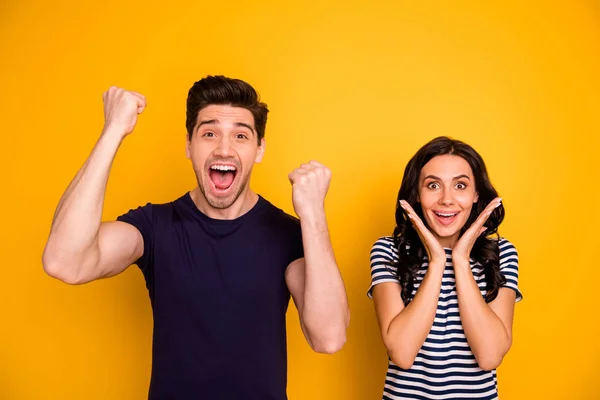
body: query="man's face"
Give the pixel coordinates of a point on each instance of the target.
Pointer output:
(223, 149)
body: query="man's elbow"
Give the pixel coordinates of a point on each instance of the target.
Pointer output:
(331, 345)
(60, 270)
(328, 341)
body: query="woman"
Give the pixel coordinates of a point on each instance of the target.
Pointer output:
(445, 284)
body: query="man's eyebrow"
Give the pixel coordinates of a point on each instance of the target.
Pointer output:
(245, 125)
(207, 122)
(216, 122)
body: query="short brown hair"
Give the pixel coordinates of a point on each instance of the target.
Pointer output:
(220, 90)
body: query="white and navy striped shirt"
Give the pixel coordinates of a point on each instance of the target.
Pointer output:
(445, 367)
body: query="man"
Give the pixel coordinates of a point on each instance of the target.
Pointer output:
(220, 262)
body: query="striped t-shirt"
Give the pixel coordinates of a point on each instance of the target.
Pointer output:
(445, 367)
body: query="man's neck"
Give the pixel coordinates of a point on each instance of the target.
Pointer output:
(241, 206)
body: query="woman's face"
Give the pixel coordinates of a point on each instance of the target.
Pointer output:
(447, 194)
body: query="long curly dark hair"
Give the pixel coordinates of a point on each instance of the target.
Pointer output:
(411, 252)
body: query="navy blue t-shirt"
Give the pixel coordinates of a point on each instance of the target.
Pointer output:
(219, 299)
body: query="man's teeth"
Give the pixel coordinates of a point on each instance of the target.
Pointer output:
(223, 168)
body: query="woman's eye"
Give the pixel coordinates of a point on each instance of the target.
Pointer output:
(461, 186)
(433, 185)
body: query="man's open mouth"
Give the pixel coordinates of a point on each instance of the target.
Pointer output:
(222, 176)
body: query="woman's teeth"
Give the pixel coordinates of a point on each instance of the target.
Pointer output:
(445, 215)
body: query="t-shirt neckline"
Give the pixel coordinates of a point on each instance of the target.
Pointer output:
(252, 211)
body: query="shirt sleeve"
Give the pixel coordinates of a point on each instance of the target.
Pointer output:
(297, 247)
(383, 255)
(509, 266)
(141, 219)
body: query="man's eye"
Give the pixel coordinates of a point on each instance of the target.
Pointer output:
(241, 136)
(209, 134)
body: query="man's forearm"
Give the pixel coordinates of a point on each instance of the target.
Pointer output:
(325, 312)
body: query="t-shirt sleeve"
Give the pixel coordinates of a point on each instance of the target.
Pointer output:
(297, 247)
(383, 255)
(141, 218)
(509, 266)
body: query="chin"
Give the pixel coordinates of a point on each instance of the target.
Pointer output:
(222, 202)
(445, 233)
(219, 203)
(445, 236)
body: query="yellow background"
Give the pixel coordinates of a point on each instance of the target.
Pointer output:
(358, 86)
